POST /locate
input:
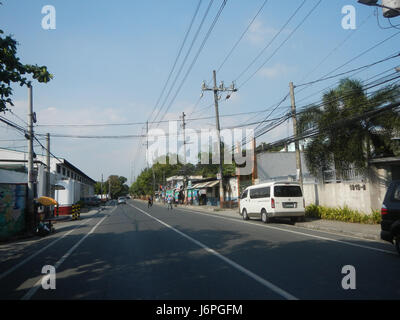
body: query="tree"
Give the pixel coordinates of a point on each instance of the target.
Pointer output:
(118, 186)
(13, 71)
(347, 137)
(144, 182)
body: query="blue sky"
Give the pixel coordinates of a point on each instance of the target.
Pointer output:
(110, 60)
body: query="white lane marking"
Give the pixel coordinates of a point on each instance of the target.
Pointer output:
(38, 284)
(41, 250)
(247, 272)
(296, 232)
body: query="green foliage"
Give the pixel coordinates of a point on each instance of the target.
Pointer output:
(344, 214)
(118, 186)
(345, 139)
(13, 71)
(144, 182)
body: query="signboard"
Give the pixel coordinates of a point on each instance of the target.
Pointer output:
(218, 176)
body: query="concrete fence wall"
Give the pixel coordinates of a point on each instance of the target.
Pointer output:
(361, 196)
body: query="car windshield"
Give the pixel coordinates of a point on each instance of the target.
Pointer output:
(287, 191)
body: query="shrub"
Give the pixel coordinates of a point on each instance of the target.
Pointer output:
(344, 214)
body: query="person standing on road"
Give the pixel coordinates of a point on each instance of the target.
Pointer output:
(150, 202)
(169, 203)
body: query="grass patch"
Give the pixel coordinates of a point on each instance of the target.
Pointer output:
(344, 214)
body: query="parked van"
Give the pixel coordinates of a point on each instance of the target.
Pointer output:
(273, 199)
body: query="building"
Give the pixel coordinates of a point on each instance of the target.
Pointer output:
(68, 184)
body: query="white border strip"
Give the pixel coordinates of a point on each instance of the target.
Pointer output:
(238, 267)
(4, 274)
(295, 232)
(190, 210)
(37, 285)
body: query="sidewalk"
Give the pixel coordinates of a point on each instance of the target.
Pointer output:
(365, 231)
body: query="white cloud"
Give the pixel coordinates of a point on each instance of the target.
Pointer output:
(258, 32)
(276, 71)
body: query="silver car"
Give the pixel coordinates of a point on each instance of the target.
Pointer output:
(121, 200)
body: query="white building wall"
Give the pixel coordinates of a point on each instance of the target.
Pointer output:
(75, 190)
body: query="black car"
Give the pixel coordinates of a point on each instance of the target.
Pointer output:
(390, 212)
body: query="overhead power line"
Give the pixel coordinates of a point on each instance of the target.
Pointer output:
(271, 41)
(241, 37)
(350, 71)
(177, 57)
(282, 44)
(184, 59)
(196, 56)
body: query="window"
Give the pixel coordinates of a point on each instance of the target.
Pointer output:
(260, 193)
(68, 173)
(58, 169)
(287, 191)
(63, 169)
(244, 195)
(396, 193)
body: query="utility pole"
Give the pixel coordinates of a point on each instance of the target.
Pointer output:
(101, 188)
(295, 132)
(216, 89)
(147, 155)
(254, 172)
(109, 188)
(31, 177)
(147, 143)
(48, 186)
(184, 137)
(238, 175)
(184, 157)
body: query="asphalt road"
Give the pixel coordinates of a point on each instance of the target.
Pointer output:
(132, 252)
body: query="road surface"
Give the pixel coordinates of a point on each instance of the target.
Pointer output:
(132, 252)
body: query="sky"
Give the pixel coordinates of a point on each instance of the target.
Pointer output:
(111, 60)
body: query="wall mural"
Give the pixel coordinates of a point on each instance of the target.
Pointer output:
(12, 209)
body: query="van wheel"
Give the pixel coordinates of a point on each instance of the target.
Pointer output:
(293, 220)
(245, 216)
(397, 244)
(264, 217)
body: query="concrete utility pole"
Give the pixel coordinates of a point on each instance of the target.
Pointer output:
(184, 156)
(216, 89)
(48, 186)
(31, 176)
(184, 137)
(147, 154)
(109, 187)
(147, 143)
(238, 175)
(295, 133)
(101, 188)
(254, 172)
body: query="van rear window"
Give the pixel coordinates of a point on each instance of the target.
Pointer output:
(287, 191)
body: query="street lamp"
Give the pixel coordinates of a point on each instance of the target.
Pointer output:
(390, 11)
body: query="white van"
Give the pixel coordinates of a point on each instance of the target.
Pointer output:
(273, 199)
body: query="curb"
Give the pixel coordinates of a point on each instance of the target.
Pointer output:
(371, 237)
(345, 233)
